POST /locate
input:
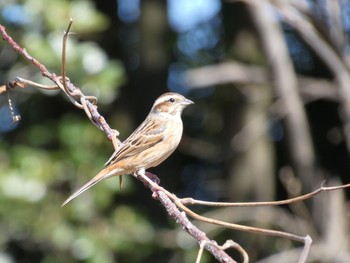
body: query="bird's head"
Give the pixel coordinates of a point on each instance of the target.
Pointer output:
(171, 103)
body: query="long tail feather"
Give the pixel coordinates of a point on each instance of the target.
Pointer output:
(105, 173)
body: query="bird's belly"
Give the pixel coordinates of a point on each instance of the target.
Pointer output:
(158, 153)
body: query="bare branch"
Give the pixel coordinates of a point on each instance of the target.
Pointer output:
(286, 87)
(74, 93)
(160, 191)
(64, 46)
(164, 197)
(228, 244)
(191, 201)
(88, 104)
(27, 82)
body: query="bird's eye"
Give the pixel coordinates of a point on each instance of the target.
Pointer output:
(171, 100)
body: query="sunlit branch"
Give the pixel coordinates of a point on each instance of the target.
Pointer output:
(156, 189)
(191, 201)
(228, 244)
(75, 95)
(166, 198)
(63, 63)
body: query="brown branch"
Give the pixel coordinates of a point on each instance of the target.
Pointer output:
(228, 244)
(74, 93)
(85, 102)
(64, 47)
(163, 196)
(172, 204)
(176, 202)
(181, 219)
(192, 201)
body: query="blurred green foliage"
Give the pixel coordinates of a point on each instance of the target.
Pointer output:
(56, 145)
(55, 148)
(40, 31)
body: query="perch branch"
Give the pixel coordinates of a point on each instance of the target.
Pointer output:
(157, 190)
(228, 244)
(191, 201)
(88, 104)
(74, 94)
(172, 204)
(64, 47)
(163, 196)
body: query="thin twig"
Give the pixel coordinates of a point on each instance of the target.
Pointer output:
(157, 189)
(170, 201)
(96, 117)
(228, 244)
(164, 197)
(86, 102)
(191, 201)
(35, 84)
(160, 191)
(63, 63)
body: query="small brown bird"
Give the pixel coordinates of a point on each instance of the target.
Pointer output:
(149, 145)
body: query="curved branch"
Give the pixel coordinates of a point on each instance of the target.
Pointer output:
(192, 201)
(74, 93)
(176, 202)
(85, 102)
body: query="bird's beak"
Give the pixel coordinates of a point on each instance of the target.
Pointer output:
(187, 102)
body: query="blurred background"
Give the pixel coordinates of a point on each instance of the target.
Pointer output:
(271, 86)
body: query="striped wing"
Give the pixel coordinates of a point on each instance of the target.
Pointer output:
(148, 134)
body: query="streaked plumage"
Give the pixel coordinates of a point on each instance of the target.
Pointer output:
(149, 145)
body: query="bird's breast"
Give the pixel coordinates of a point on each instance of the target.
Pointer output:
(161, 151)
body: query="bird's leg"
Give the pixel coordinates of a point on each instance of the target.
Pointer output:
(140, 173)
(153, 177)
(147, 178)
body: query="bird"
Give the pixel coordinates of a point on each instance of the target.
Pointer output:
(150, 144)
